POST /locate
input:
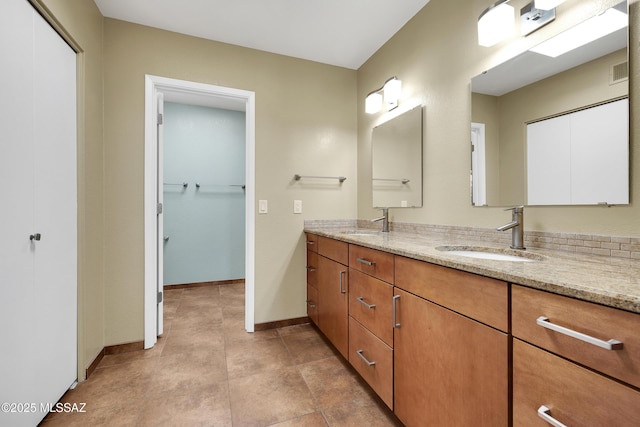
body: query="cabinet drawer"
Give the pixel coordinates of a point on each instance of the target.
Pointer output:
(481, 298)
(593, 320)
(312, 242)
(378, 372)
(334, 249)
(373, 262)
(574, 395)
(370, 304)
(312, 268)
(312, 303)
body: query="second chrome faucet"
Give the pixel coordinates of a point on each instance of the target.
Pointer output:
(384, 218)
(516, 226)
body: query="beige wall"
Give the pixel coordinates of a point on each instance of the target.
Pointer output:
(435, 55)
(305, 124)
(82, 22)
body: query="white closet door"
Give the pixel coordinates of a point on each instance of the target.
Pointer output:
(38, 308)
(55, 167)
(548, 160)
(600, 154)
(16, 204)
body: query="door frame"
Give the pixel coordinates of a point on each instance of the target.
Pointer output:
(204, 93)
(478, 165)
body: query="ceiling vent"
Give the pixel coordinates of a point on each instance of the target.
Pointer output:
(619, 73)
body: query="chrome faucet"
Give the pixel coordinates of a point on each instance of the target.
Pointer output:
(517, 227)
(384, 218)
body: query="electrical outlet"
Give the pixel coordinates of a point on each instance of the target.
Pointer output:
(297, 206)
(263, 207)
(403, 204)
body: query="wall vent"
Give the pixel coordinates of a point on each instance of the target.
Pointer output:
(619, 73)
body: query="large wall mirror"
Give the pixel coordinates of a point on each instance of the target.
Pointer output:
(396, 152)
(554, 130)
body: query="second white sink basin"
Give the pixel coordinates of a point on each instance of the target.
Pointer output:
(490, 253)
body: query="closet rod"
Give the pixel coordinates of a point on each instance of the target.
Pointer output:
(402, 180)
(198, 185)
(339, 178)
(183, 184)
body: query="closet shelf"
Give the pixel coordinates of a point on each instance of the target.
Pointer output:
(198, 185)
(183, 184)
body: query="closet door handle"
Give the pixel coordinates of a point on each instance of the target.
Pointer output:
(545, 414)
(36, 236)
(607, 345)
(342, 273)
(359, 353)
(396, 325)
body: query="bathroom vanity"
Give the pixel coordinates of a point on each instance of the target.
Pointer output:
(444, 339)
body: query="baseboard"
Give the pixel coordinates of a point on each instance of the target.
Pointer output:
(93, 365)
(199, 284)
(281, 323)
(124, 348)
(112, 349)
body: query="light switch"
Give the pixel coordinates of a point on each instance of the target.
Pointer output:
(263, 207)
(297, 206)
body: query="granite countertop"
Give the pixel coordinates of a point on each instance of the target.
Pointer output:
(613, 282)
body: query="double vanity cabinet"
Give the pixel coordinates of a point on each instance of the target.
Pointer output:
(445, 347)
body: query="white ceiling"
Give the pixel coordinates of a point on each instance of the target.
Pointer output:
(338, 32)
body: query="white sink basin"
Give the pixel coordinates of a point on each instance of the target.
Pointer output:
(491, 253)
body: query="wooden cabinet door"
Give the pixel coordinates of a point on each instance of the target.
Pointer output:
(572, 395)
(333, 303)
(449, 370)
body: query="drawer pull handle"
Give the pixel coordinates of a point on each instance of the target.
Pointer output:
(310, 269)
(359, 353)
(309, 242)
(607, 345)
(396, 325)
(545, 414)
(364, 261)
(342, 273)
(310, 304)
(362, 301)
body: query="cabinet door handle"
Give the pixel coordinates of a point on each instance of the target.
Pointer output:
(545, 414)
(311, 269)
(342, 273)
(607, 345)
(310, 304)
(396, 325)
(364, 261)
(359, 353)
(362, 301)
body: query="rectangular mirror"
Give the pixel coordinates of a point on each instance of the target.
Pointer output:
(396, 152)
(524, 112)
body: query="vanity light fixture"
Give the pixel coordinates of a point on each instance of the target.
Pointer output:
(496, 23)
(592, 29)
(547, 4)
(392, 90)
(373, 102)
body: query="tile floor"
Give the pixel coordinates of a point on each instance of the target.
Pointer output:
(207, 371)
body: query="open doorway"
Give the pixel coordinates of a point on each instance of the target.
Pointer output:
(158, 90)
